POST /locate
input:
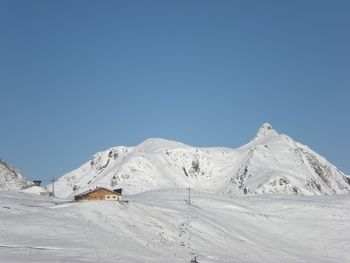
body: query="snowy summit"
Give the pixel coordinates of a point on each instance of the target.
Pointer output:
(266, 130)
(271, 163)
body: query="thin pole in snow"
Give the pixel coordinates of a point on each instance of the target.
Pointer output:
(189, 194)
(53, 186)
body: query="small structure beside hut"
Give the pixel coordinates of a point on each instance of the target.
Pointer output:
(119, 191)
(37, 182)
(99, 193)
(36, 188)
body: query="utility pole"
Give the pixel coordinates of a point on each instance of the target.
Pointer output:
(53, 186)
(189, 195)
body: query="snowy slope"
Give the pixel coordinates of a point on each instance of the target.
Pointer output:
(159, 226)
(10, 178)
(270, 163)
(277, 164)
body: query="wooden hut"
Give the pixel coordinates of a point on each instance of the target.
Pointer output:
(99, 193)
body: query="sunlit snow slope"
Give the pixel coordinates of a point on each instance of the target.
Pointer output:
(159, 226)
(270, 163)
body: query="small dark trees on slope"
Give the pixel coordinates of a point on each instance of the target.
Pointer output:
(195, 166)
(245, 190)
(184, 169)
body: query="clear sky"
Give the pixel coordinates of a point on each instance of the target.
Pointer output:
(77, 77)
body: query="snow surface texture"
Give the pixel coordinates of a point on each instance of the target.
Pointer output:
(160, 226)
(271, 163)
(33, 189)
(10, 178)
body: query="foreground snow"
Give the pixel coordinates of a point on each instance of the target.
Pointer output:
(160, 226)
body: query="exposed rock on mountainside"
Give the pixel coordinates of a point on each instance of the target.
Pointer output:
(10, 178)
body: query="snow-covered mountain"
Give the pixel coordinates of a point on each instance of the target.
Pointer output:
(10, 178)
(271, 163)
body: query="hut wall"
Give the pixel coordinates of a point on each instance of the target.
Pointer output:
(99, 194)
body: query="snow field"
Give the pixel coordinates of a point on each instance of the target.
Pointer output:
(159, 225)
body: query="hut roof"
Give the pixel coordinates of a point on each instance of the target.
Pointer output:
(94, 190)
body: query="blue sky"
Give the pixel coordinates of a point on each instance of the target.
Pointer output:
(77, 77)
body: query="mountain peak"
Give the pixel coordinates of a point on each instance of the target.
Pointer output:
(158, 144)
(270, 164)
(266, 130)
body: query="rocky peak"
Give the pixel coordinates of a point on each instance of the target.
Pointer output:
(266, 130)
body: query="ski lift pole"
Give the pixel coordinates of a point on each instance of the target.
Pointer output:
(189, 195)
(53, 186)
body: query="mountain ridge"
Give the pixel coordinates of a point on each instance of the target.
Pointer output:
(271, 163)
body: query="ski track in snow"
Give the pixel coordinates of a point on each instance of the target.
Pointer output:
(29, 247)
